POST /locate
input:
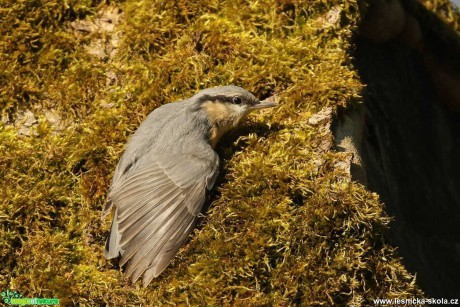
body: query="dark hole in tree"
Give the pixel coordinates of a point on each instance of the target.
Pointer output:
(410, 152)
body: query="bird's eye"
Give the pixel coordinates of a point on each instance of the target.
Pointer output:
(237, 100)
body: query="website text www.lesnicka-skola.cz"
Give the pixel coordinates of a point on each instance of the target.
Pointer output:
(416, 301)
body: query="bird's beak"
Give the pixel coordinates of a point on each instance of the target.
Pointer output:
(264, 104)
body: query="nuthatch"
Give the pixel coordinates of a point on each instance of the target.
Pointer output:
(160, 182)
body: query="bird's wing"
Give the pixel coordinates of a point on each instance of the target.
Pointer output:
(156, 206)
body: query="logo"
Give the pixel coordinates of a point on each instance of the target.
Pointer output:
(14, 298)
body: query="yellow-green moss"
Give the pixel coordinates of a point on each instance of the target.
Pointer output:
(284, 226)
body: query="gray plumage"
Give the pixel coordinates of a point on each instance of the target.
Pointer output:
(160, 182)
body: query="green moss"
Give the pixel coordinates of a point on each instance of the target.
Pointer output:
(285, 225)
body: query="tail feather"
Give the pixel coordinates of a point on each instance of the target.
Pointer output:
(112, 244)
(108, 206)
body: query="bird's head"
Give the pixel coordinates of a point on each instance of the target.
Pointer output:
(226, 106)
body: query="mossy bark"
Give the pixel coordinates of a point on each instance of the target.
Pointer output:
(286, 225)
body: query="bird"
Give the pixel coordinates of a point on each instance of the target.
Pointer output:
(161, 181)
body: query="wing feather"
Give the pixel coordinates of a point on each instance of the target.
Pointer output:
(153, 240)
(157, 202)
(135, 199)
(156, 268)
(148, 204)
(146, 219)
(149, 252)
(167, 235)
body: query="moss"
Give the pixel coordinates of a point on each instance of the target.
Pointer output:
(285, 225)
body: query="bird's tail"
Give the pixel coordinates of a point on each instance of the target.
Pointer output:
(112, 244)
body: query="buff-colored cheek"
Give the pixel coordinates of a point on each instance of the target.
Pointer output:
(222, 118)
(217, 112)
